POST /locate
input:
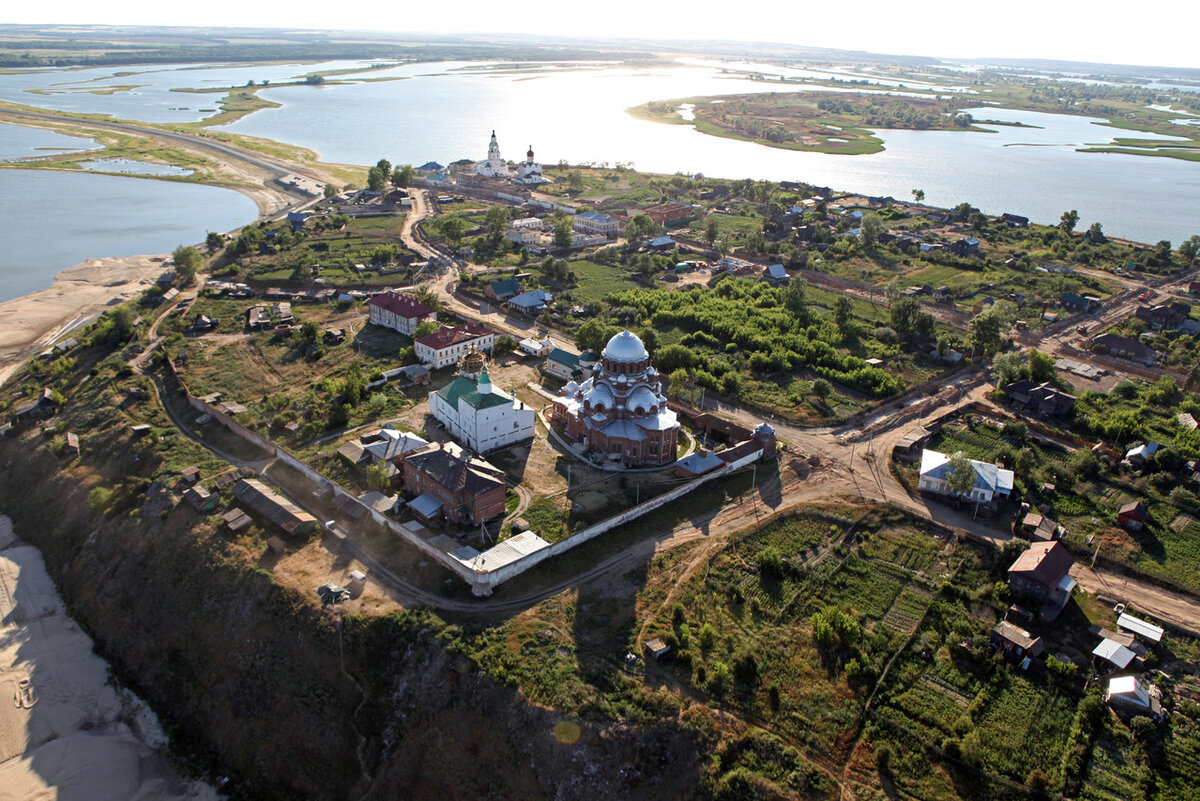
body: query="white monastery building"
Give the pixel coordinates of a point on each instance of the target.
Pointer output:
(620, 411)
(398, 311)
(446, 346)
(481, 416)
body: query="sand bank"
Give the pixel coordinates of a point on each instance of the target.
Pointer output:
(29, 323)
(65, 731)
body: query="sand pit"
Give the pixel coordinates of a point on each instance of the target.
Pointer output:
(78, 294)
(65, 732)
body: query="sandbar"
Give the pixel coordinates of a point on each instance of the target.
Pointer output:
(66, 732)
(30, 323)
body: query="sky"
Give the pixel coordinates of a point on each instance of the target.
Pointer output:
(1157, 34)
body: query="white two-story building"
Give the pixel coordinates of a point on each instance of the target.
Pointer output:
(446, 346)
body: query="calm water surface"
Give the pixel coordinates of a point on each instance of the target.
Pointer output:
(576, 113)
(65, 218)
(580, 117)
(17, 142)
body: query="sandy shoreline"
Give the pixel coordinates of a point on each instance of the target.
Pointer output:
(65, 731)
(78, 295)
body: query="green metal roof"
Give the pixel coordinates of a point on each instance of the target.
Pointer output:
(467, 389)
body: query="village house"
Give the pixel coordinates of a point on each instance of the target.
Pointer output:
(399, 312)
(1126, 348)
(257, 498)
(1079, 303)
(1147, 631)
(43, 406)
(1139, 455)
(1112, 655)
(1042, 399)
(1164, 317)
(446, 346)
(500, 291)
(454, 485)
(1014, 220)
(1042, 573)
(1132, 516)
(533, 302)
(1129, 697)
(967, 247)
(775, 274)
(1015, 641)
(992, 482)
(566, 365)
(481, 416)
(1037, 526)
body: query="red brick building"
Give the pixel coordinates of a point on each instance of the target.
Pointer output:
(620, 413)
(451, 483)
(669, 214)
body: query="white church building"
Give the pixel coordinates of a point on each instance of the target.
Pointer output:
(481, 416)
(494, 166)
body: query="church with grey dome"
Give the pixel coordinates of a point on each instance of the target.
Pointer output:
(620, 414)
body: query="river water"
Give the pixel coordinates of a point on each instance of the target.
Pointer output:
(54, 220)
(571, 113)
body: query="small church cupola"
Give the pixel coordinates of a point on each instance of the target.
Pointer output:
(529, 155)
(485, 383)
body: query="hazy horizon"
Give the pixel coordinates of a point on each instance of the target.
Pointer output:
(1017, 30)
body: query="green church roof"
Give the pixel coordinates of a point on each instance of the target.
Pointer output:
(468, 390)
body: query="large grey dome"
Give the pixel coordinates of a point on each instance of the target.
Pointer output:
(625, 347)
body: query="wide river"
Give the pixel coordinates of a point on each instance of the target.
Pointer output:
(572, 113)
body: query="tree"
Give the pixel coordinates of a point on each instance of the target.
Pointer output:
(892, 291)
(1009, 367)
(842, 310)
(187, 260)
(504, 344)
(496, 222)
(910, 321)
(575, 181)
(822, 388)
(987, 329)
(425, 329)
(563, 232)
(919, 195)
(641, 227)
(1068, 221)
(214, 241)
(309, 332)
(1189, 249)
(377, 476)
(453, 228)
(376, 179)
(1095, 234)
(795, 296)
(869, 229)
(961, 474)
(428, 296)
(385, 167)
(330, 190)
(403, 175)
(712, 230)
(1041, 366)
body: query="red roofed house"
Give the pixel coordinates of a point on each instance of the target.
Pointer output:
(1132, 516)
(446, 346)
(1042, 572)
(398, 311)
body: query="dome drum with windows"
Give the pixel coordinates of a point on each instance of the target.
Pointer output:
(620, 413)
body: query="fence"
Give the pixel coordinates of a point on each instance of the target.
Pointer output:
(482, 581)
